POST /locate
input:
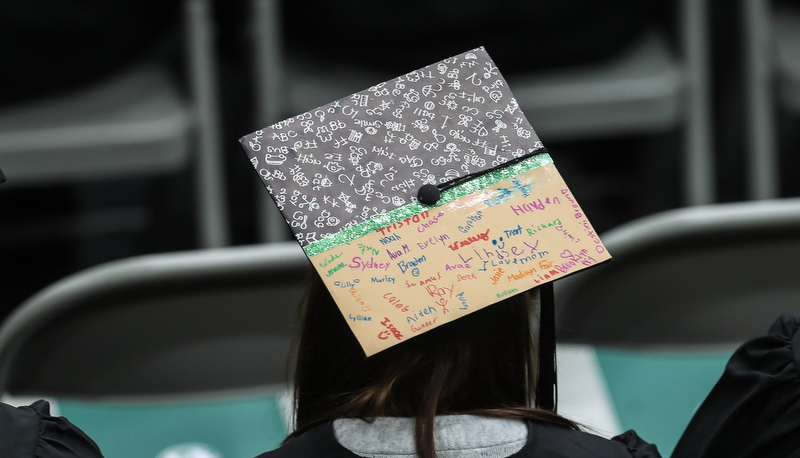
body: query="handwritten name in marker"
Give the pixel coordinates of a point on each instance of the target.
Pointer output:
(438, 276)
(357, 298)
(574, 259)
(522, 274)
(330, 260)
(464, 305)
(405, 265)
(426, 225)
(395, 301)
(471, 220)
(359, 318)
(534, 228)
(427, 324)
(512, 251)
(335, 269)
(512, 232)
(439, 291)
(369, 249)
(384, 279)
(389, 239)
(421, 313)
(389, 331)
(347, 284)
(456, 266)
(406, 222)
(547, 276)
(469, 240)
(567, 234)
(360, 264)
(397, 253)
(433, 241)
(533, 205)
(507, 292)
(498, 274)
(575, 206)
(590, 232)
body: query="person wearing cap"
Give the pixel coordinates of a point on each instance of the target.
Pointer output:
(430, 210)
(464, 390)
(436, 223)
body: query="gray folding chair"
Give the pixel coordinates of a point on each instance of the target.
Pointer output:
(683, 289)
(183, 338)
(714, 274)
(772, 80)
(134, 124)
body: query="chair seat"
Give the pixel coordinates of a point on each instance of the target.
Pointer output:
(133, 123)
(640, 91)
(165, 324)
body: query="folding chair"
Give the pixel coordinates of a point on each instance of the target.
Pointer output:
(771, 36)
(683, 289)
(134, 124)
(147, 352)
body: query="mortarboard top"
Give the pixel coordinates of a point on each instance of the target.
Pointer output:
(423, 199)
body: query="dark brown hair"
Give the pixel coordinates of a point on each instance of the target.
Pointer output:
(482, 364)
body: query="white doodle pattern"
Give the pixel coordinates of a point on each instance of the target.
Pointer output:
(378, 146)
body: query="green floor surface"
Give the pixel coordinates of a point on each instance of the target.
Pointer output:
(235, 428)
(657, 393)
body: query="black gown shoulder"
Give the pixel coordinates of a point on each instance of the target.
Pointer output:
(754, 409)
(31, 432)
(544, 441)
(554, 442)
(318, 441)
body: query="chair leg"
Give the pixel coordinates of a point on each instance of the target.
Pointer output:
(762, 166)
(269, 68)
(699, 174)
(210, 170)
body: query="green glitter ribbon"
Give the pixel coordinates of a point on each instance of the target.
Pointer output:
(415, 208)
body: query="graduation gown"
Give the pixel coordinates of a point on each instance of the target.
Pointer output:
(754, 409)
(544, 441)
(31, 432)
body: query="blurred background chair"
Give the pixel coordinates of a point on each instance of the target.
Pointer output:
(134, 123)
(648, 88)
(683, 290)
(151, 351)
(771, 36)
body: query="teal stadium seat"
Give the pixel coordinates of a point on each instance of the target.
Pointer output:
(232, 427)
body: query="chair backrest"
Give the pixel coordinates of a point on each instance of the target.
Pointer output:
(167, 324)
(715, 274)
(683, 289)
(134, 123)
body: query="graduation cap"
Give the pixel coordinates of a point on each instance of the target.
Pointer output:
(425, 198)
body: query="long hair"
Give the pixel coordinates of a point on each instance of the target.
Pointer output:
(483, 364)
